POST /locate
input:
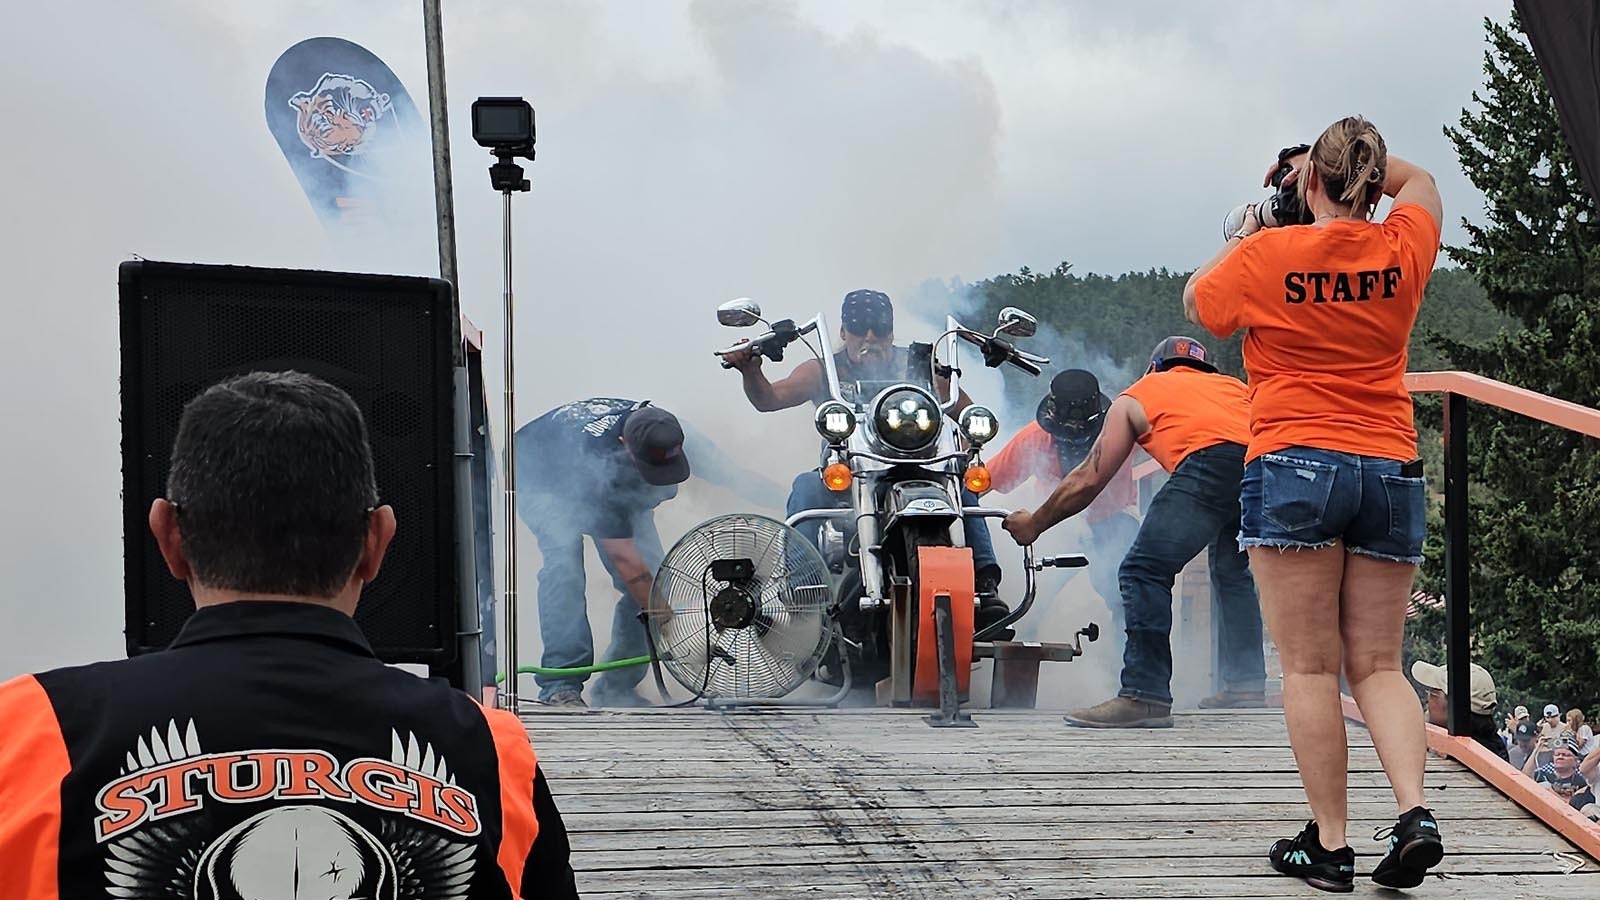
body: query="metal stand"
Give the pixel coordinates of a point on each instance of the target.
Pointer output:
(468, 670)
(655, 657)
(1016, 666)
(950, 714)
(829, 702)
(506, 176)
(468, 617)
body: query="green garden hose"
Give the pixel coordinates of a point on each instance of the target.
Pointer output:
(578, 670)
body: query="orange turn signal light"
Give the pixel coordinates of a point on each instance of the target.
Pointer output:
(837, 477)
(978, 479)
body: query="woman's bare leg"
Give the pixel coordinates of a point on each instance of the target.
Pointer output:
(1372, 625)
(1300, 605)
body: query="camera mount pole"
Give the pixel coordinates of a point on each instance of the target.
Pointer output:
(506, 176)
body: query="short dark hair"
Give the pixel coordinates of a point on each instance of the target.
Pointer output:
(272, 477)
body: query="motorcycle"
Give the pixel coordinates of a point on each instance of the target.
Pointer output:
(896, 459)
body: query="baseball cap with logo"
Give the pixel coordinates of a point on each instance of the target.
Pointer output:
(1526, 731)
(1484, 696)
(1521, 712)
(1181, 350)
(1552, 711)
(655, 441)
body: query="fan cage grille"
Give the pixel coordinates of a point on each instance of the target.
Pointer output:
(790, 588)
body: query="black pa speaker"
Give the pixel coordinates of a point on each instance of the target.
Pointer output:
(384, 339)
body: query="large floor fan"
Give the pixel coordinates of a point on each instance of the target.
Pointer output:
(749, 599)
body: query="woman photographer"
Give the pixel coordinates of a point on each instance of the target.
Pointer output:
(1332, 500)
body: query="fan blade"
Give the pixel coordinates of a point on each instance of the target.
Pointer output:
(771, 672)
(797, 641)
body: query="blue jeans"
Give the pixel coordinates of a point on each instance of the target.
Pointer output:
(1302, 497)
(808, 492)
(564, 610)
(1197, 509)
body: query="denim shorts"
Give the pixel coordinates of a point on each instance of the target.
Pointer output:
(1301, 497)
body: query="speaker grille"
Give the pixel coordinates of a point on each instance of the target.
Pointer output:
(384, 339)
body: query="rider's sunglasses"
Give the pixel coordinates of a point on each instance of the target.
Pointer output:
(875, 326)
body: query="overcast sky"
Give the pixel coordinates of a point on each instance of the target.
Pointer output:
(688, 152)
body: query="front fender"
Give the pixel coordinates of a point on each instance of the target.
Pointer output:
(926, 502)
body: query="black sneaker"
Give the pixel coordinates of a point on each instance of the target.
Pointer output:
(1414, 848)
(1304, 857)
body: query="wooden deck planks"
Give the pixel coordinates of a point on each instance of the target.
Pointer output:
(688, 803)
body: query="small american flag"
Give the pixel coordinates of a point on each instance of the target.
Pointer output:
(1421, 601)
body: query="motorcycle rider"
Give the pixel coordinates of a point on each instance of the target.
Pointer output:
(1195, 422)
(867, 332)
(596, 467)
(1066, 425)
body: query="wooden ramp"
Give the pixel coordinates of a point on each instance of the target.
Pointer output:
(873, 803)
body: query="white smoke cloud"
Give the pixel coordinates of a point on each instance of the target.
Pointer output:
(689, 152)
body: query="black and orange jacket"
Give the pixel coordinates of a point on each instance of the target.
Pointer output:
(268, 753)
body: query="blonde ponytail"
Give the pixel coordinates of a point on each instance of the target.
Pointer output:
(1352, 163)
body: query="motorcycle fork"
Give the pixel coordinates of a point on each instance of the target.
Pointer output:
(868, 542)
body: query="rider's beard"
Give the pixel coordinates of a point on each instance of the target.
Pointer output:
(871, 357)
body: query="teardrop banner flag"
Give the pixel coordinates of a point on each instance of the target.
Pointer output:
(358, 147)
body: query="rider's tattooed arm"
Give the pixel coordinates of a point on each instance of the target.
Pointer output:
(1125, 422)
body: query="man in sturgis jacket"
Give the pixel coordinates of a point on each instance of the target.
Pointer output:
(268, 753)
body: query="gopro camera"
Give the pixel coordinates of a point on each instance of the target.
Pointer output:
(504, 125)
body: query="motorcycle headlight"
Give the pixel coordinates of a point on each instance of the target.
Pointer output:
(907, 419)
(835, 422)
(979, 425)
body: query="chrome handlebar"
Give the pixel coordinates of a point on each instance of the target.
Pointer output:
(1029, 566)
(759, 343)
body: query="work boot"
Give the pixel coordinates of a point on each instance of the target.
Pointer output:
(991, 608)
(1123, 712)
(567, 697)
(1235, 700)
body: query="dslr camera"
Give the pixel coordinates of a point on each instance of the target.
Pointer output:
(1283, 207)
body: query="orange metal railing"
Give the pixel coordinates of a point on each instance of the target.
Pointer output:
(1458, 388)
(1556, 412)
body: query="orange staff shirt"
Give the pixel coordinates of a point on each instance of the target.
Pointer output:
(1190, 410)
(1328, 313)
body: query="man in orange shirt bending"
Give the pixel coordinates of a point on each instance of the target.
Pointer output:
(1059, 438)
(1194, 421)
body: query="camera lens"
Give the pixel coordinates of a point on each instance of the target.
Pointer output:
(1268, 212)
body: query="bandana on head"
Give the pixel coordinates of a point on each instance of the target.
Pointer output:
(865, 311)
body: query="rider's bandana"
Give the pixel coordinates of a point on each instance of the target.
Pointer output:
(865, 311)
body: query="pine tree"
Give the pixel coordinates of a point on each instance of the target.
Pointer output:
(1535, 488)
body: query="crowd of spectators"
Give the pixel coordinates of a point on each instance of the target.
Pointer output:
(1560, 752)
